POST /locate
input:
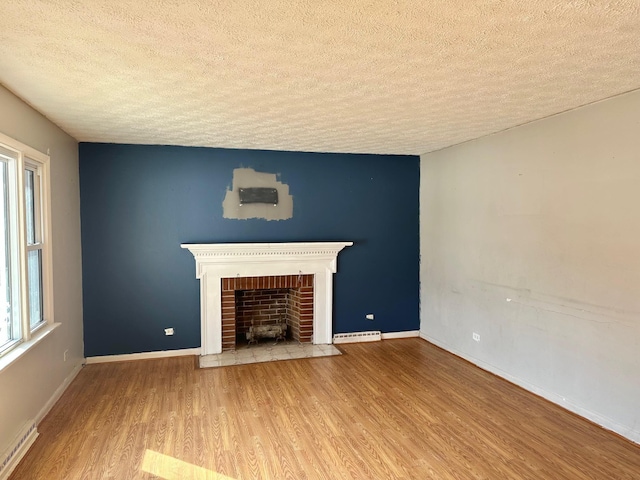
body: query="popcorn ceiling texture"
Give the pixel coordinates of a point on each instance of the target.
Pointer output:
(375, 76)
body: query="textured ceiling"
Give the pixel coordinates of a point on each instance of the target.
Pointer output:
(376, 76)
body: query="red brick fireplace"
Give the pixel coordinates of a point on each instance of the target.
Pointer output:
(265, 301)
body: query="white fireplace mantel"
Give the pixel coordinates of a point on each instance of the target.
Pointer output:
(215, 261)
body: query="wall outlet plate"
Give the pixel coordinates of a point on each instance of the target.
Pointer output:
(168, 331)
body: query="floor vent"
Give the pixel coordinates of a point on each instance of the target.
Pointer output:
(9, 460)
(357, 337)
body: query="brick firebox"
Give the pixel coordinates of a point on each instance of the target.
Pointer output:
(267, 300)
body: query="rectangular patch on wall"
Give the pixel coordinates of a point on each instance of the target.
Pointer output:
(258, 195)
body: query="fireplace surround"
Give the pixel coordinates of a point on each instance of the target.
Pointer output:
(218, 261)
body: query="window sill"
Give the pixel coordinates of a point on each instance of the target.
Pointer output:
(15, 353)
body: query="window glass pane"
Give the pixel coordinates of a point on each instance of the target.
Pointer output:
(9, 324)
(34, 265)
(29, 195)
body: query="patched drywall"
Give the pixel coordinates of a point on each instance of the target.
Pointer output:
(530, 238)
(249, 178)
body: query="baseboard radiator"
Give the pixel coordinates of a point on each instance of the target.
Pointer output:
(357, 337)
(12, 456)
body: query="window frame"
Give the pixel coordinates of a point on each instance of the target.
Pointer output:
(31, 165)
(27, 158)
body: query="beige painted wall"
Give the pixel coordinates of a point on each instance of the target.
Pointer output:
(531, 238)
(28, 386)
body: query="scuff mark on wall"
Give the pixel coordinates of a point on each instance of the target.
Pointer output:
(249, 178)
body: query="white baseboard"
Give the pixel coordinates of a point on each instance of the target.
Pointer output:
(603, 421)
(407, 334)
(357, 337)
(17, 449)
(23, 441)
(372, 336)
(143, 355)
(58, 393)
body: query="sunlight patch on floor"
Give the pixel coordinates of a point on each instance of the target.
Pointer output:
(169, 468)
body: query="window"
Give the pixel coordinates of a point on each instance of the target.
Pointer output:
(25, 250)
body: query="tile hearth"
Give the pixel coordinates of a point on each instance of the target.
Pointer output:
(267, 352)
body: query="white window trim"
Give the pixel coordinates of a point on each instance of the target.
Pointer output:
(12, 354)
(30, 337)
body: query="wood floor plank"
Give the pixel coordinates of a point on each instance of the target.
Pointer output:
(396, 409)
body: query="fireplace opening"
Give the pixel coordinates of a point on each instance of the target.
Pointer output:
(267, 309)
(262, 315)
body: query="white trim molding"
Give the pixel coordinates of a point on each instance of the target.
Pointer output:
(59, 391)
(22, 348)
(18, 159)
(357, 337)
(215, 261)
(372, 336)
(406, 334)
(17, 449)
(143, 356)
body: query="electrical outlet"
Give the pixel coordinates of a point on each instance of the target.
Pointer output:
(168, 331)
(369, 316)
(476, 336)
(65, 355)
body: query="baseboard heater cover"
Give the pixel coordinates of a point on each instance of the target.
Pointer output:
(357, 337)
(12, 456)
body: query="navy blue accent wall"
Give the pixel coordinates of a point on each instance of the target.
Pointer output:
(139, 203)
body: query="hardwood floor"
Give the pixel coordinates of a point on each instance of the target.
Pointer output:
(395, 409)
